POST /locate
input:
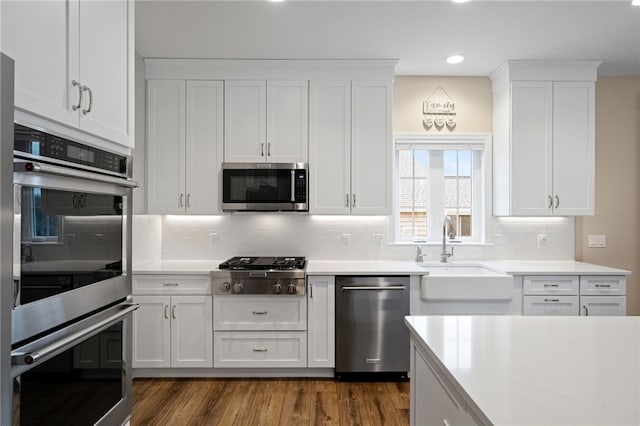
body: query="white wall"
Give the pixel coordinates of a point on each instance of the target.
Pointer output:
(320, 238)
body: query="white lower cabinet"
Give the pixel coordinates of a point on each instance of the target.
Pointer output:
(321, 329)
(172, 331)
(260, 349)
(574, 295)
(260, 331)
(433, 401)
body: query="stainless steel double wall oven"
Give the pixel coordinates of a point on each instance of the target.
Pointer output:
(71, 316)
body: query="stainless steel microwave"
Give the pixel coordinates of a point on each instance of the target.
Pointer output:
(265, 187)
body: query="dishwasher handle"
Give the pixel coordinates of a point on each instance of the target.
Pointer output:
(386, 287)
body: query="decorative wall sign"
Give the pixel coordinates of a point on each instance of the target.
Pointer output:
(439, 110)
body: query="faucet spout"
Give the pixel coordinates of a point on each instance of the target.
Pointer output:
(444, 254)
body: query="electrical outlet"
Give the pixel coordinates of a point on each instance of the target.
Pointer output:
(212, 239)
(377, 240)
(597, 241)
(543, 241)
(99, 240)
(497, 239)
(71, 239)
(346, 239)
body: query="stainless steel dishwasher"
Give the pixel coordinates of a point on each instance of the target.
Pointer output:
(370, 333)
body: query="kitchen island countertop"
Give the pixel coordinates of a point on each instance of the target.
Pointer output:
(513, 370)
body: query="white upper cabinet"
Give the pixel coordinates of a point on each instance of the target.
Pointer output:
(184, 146)
(350, 146)
(74, 66)
(266, 121)
(544, 143)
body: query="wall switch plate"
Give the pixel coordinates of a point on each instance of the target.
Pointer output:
(346, 239)
(377, 239)
(212, 239)
(543, 241)
(599, 241)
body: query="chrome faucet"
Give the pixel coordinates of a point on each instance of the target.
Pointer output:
(444, 255)
(420, 255)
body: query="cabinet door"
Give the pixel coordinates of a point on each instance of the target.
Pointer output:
(531, 148)
(166, 146)
(321, 323)
(603, 305)
(106, 68)
(245, 104)
(191, 331)
(370, 147)
(330, 147)
(151, 332)
(203, 146)
(42, 38)
(573, 148)
(550, 305)
(287, 121)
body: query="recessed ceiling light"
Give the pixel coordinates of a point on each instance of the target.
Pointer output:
(635, 2)
(455, 59)
(276, 1)
(464, 1)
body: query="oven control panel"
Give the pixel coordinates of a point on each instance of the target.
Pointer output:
(240, 283)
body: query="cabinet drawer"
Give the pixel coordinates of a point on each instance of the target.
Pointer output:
(603, 286)
(555, 285)
(255, 350)
(603, 306)
(551, 305)
(171, 284)
(259, 313)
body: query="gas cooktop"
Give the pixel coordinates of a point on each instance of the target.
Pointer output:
(263, 263)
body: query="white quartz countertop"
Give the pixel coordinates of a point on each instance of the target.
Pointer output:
(377, 267)
(539, 370)
(370, 267)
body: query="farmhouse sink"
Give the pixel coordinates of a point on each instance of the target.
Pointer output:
(464, 282)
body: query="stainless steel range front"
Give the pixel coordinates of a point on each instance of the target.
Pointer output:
(260, 275)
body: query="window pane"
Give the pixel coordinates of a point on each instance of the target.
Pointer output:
(464, 163)
(405, 163)
(450, 163)
(420, 193)
(450, 192)
(405, 193)
(421, 166)
(420, 225)
(464, 192)
(413, 225)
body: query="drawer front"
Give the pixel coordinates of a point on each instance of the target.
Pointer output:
(551, 305)
(171, 284)
(259, 313)
(555, 285)
(256, 350)
(603, 286)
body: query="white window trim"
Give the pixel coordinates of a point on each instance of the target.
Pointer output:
(485, 186)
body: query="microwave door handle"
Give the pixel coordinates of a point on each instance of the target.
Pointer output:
(293, 186)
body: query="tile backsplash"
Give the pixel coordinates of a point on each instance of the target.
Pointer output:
(333, 238)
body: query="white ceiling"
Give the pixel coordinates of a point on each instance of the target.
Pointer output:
(420, 34)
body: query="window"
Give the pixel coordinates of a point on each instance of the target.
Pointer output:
(438, 176)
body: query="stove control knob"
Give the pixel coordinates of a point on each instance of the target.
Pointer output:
(277, 288)
(291, 288)
(238, 287)
(226, 286)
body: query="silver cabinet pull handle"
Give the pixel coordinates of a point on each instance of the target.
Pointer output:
(603, 285)
(88, 110)
(262, 149)
(586, 310)
(550, 201)
(557, 202)
(188, 200)
(181, 201)
(260, 350)
(310, 291)
(354, 200)
(173, 312)
(170, 284)
(551, 285)
(346, 201)
(166, 311)
(259, 312)
(552, 300)
(269, 149)
(77, 84)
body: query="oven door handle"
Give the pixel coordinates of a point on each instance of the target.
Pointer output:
(24, 166)
(41, 354)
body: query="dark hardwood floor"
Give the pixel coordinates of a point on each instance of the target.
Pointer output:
(246, 402)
